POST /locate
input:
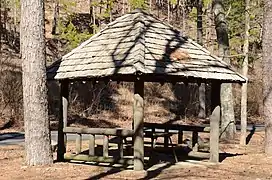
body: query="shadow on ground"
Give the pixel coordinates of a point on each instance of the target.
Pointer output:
(160, 159)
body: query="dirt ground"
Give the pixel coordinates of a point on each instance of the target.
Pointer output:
(247, 162)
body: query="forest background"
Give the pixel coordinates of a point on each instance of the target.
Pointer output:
(109, 104)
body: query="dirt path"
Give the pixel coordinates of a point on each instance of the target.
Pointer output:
(246, 163)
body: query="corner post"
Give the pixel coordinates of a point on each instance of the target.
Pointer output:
(214, 122)
(138, 119)
(63, 114)
(214, 135)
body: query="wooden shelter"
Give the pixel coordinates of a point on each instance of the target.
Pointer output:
(139, 48)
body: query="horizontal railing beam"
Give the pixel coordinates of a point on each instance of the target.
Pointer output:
(100, 131)
(178, 127)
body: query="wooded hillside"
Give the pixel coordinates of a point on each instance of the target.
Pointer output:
(68, 23)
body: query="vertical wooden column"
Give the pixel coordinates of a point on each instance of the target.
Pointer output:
(195, 141)
(106, 146)
(180, 136)
(92, 145)
(138, 119)
(78, 143)
(152, 137)
(121, 147)
(63, 114)
(214, 135)
(214, 122)
(165, 142)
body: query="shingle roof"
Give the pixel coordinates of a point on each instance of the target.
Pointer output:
(139, 43)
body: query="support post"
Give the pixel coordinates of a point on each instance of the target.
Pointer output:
(138, 118)
(121, 147)
(92, 145)
(215, 121)
(63, 113)
(106, 146)
(195, 141)
(78, 143)
(214, 135)
(166, 130)
(180, 134)
(152, 137)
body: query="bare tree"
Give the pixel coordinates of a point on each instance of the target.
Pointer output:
(56, 16)
(37, 133)
(267, 72)
(202, 108)
(244, 72)
(183, 16)
(227, 110)
(150, 6)
(123, 7)
(168, 11)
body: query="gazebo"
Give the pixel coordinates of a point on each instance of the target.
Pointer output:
(138, 47)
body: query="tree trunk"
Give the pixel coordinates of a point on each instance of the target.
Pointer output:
(178, 11)
(123, 7)
(267, 73)
(244, 72)
(14, 20)
(227, 110)
(5, 20)
(209, 29)
(109, 7)
(201, 89)
(1, 29)
(94, 18)
(168, 11)
(150, 6)
(56, 16)
(158, 7)
(37, 133)
(128, 5)
(183, 17)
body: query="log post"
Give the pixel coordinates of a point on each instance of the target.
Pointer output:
(92, 145)
(106, 146)
(195, 141)
(121, 147)
(214, 121)
(166, 130)
(78, 143)
(63, 113)
(152, 137)
(214, 135)
(180, 136)
(138, 118)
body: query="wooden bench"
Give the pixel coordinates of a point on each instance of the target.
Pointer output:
(106, 132)
(177, 129)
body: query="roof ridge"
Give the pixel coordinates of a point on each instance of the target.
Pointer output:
(140, 44)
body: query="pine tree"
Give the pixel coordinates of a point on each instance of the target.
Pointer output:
(37, 133)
